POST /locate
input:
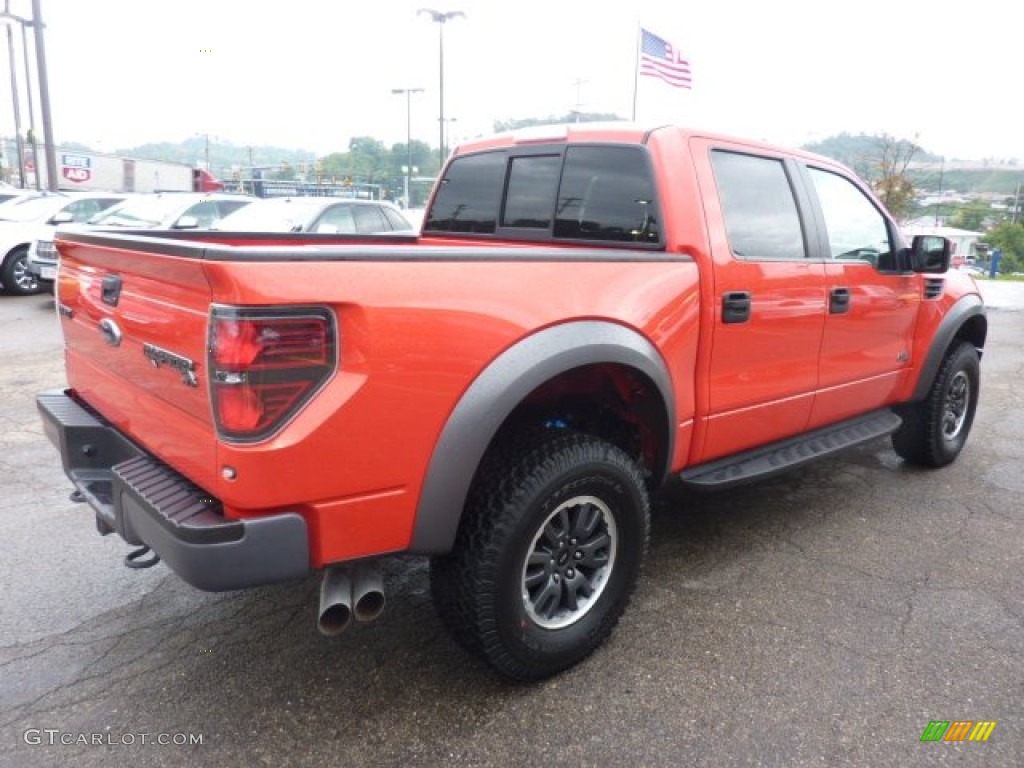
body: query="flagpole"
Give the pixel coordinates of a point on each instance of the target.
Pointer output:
(636, 68)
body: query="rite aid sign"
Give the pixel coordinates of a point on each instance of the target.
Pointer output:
(76, 168)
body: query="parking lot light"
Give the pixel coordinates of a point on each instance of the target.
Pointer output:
(441, 18)
(408, 134)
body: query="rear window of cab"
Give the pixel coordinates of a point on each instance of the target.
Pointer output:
(595, 193)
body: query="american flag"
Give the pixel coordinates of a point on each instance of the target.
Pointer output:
(659, 58)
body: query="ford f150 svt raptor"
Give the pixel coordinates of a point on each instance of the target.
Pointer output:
(587, 312)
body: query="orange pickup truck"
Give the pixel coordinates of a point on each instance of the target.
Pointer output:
(587, 313)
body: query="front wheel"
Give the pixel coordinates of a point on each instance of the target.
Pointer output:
(15, 276)
(547, 555)
(935, 430)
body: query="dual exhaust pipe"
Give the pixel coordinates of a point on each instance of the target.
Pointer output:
(347, 592)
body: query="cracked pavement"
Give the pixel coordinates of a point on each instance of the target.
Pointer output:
(821, 618)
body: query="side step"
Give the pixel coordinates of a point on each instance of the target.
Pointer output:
(788, 454)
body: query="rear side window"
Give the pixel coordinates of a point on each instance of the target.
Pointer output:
(761, 218)
(230, 206)
(470, 195)
(607, 193)
(396, 220)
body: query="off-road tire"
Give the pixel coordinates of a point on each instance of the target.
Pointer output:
(540, 503)
(935, 429)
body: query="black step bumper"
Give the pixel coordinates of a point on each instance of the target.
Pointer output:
(146, 502)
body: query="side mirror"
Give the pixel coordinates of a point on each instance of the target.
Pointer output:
(186, 222)
(930, 253)
(63, 217)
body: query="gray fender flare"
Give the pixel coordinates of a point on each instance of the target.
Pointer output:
(496, 392)
(967, 307)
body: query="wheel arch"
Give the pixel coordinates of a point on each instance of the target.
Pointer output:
(965, 321)
(502, 388)
(14, 249)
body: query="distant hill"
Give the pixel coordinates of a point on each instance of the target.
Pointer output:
(926, 171)
(223, 154)
(854, 150)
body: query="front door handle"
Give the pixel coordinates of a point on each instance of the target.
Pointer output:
(839, 301)
(736, 307)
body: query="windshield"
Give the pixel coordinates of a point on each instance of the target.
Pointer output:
(33, 209)
(142, 212)
(283, 215)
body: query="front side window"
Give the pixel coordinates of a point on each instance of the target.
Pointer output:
(856, 229)
(205, 213)
(83, 210)
(369, 220)
(337, 219)
(761, 217)
(607, 193)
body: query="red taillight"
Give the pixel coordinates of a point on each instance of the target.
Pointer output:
(265, 364)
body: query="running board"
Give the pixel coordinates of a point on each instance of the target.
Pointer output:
(788, 454)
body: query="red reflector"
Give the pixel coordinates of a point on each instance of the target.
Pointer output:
(254, 409)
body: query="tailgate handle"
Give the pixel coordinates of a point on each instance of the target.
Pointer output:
(111, 292)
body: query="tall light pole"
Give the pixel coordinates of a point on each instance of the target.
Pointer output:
(408, 134)
(442, 18)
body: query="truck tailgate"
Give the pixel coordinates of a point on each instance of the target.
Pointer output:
(135, 329)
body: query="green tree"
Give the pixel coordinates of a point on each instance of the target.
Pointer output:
(971, 216)
(1009, 238)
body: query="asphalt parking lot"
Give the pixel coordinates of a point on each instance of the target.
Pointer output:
(820, 619)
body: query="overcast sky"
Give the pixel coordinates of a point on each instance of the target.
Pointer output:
(313, 73)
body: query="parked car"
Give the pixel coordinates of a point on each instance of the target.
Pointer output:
(316, 214)
(162, 210)
(8, 194)
(20, 222)
(172, 210)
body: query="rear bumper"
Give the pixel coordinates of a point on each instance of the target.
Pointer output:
(146, 502)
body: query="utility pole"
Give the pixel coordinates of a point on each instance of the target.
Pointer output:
(938, 206)
(14, 96)
(31, 108)
(44, 99)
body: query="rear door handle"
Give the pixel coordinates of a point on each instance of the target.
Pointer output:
(839, 301)
(736, 307)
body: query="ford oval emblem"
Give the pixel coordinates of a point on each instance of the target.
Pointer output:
(111, 332)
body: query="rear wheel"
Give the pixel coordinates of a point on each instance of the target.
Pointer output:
(15, 276)
(935, 430)
(547, 555)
